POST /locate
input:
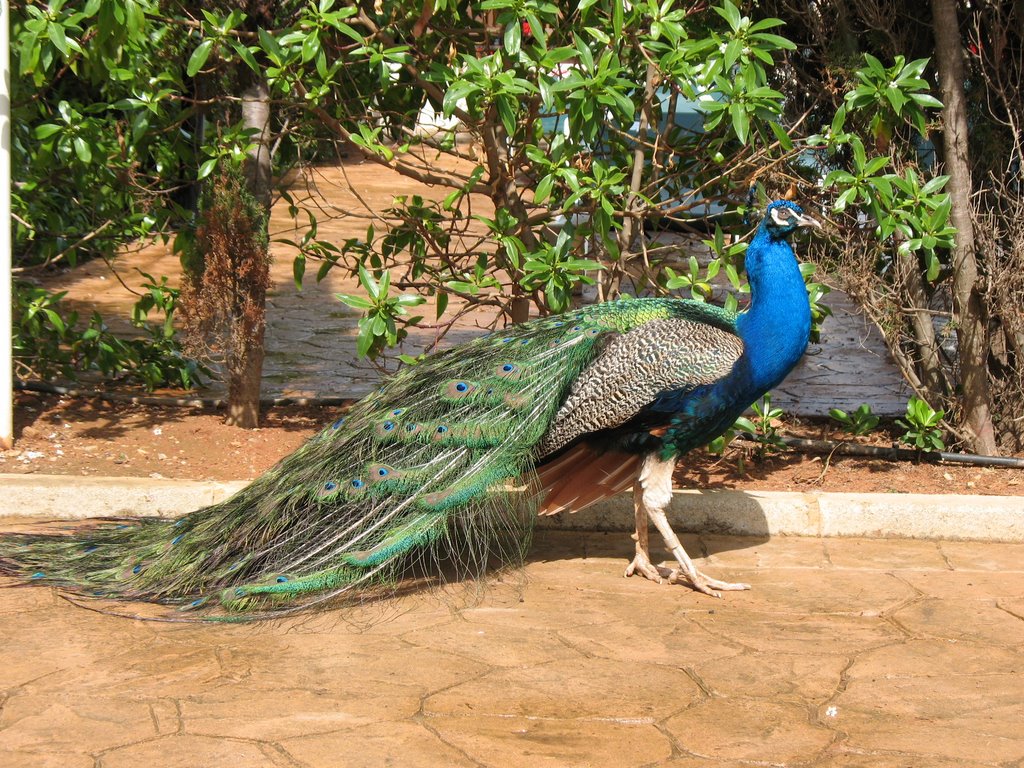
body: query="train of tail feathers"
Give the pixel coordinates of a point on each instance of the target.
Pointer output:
(439, 463)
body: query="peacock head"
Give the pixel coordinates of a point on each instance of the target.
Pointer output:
(782, 218)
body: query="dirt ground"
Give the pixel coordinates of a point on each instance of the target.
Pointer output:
(72, 436)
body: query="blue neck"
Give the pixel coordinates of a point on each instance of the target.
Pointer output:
(776, 327)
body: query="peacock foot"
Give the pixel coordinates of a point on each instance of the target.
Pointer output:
(704, 583)
(643, 566)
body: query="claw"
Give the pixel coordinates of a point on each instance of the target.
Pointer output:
(642, 565)
(705, 584)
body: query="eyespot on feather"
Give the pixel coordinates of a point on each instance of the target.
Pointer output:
(386, 428)
(458, 389)
(380, 472)
(329, 488)
(509, 371)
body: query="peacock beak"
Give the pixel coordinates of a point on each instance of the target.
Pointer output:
(803, 220)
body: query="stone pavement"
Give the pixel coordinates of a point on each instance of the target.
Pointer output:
(847, 653)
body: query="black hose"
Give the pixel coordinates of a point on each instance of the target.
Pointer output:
(895, 453)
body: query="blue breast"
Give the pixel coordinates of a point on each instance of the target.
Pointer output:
(775, 331)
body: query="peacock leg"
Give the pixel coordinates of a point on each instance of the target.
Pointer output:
(651, 495)
(642, 559)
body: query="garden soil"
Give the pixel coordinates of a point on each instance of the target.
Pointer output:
(77, 436)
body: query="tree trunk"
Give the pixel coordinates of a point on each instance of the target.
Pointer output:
(245, 366)
(504, 194)
(256, 116)
(633, 202)
(972, 346)
(928, 363)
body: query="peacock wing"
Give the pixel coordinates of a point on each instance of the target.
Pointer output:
(659, 361)
(638, 382)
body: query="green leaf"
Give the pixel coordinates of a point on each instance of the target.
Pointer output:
(46, 130)
(740, 122)
(206, 168)
(926, 100)
(356, 302)
(507, 113)
(730, 13)
(874, 165)
(246, 56)
(366, 279)
(461, 286)
(56, 320)
(310, 46)
(270, 45)
(199, 57)
(409, 300)
(513, 37)
(543, 190)
(82, 149)
(364, 341)
(745, 425)
(780, 133)
(776, 41)
(55, 32)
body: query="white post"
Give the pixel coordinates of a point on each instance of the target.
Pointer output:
(6, 308)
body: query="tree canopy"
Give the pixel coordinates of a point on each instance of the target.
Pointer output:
(591, 123)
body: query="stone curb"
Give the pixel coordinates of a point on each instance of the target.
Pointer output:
(740, 513)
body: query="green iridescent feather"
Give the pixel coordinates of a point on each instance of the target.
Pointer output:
(436, 461)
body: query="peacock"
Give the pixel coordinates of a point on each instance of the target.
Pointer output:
(440, 463)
